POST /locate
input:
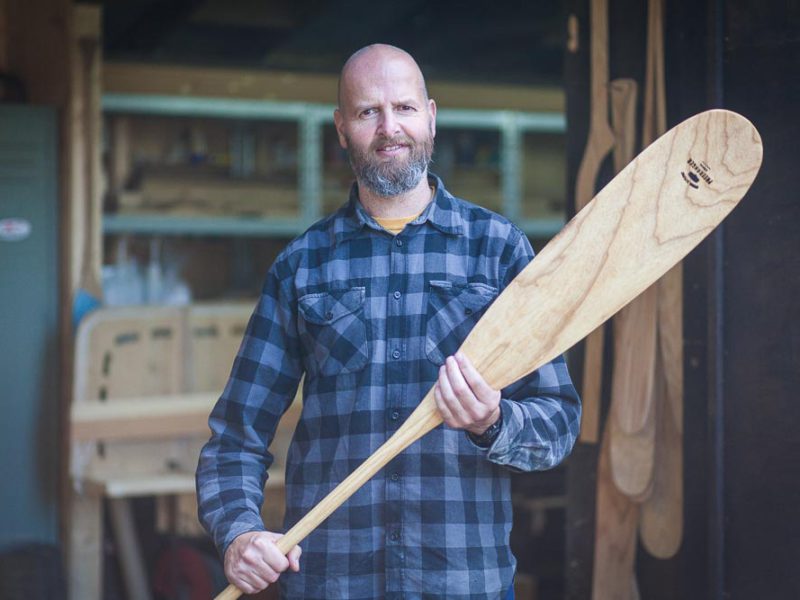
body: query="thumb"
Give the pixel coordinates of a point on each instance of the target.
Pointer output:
(294, 558)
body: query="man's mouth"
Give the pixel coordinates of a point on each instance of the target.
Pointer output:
(390, 149)
(393, 147)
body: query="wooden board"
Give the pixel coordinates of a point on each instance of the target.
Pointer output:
(142, 418)
(136, 78)
(640, 225)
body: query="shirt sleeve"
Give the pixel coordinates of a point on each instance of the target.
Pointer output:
(541, 412)
(232, 468)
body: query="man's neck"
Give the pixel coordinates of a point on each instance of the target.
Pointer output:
(411, 202)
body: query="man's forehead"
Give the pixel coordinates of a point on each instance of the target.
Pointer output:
(377, 70)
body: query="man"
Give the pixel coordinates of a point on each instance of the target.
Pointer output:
(371, 303)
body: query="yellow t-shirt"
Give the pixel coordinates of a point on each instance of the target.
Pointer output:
(396, 225)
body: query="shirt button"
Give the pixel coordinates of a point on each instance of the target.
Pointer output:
(395, 476)
(395, 415)
(328, 316)
(397, 295)
(396, 354)
(398, 242)
(395, 536)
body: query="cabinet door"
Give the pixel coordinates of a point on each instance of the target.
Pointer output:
(28, 325)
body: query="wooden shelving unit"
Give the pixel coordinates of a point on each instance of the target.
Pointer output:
(316, 179)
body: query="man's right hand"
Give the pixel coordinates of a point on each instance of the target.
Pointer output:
(253, 561)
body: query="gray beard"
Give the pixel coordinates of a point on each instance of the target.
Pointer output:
(391, 179)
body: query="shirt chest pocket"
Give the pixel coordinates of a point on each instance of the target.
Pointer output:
(453, 310)
(333, 329)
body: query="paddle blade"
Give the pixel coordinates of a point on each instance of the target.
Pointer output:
(650, 216)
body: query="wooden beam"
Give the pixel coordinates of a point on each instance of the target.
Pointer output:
(85, 546)
(84, 124)
(135, 78)
(3, 36)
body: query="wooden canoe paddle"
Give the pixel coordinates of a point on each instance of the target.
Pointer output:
(661, 516)
(632, 435)
(598, 145)
(615, 531)
(633, 447)
(653, 213)
(617, 515)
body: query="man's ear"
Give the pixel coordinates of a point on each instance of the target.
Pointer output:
(432, 111)
(338, 121)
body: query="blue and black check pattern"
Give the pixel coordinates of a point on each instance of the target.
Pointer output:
(369, 317)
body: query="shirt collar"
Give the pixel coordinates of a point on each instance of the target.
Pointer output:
(442, 213)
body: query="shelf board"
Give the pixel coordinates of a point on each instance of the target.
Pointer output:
(204, 226)
(255, 227)
(232, 108)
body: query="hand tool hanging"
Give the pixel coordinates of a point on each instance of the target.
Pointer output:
(598, 145)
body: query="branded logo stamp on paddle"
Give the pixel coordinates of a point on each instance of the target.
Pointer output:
(700, 172)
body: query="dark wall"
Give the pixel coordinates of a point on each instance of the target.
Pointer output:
(761, 310)
(741, 308)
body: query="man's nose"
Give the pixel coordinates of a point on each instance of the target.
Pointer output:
(388, 124)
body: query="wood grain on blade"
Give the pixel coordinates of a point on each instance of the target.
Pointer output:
(642, 223)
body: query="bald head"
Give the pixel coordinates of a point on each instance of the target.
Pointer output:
(377, 60)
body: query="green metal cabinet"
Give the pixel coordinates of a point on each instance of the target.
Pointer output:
(29, 370)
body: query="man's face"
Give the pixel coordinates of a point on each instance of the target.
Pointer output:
(386, 124)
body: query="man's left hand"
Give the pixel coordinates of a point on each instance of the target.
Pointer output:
(463, 397)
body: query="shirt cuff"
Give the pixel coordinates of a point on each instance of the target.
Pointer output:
(244, 524)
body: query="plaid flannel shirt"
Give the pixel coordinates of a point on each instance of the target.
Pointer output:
(369, 317)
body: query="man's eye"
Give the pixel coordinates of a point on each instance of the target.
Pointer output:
(406, 108)
(368, 112)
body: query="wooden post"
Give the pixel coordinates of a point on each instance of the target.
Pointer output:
(84, 540)
(81, 168)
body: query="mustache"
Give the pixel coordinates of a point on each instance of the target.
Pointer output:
(392, 141)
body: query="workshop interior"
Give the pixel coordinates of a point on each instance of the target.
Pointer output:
(156, 157)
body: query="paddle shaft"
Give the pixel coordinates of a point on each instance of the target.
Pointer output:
(424, 418)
